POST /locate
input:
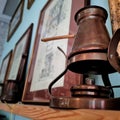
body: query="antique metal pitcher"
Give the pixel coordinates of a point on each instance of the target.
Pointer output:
(92, 53)
(89, 52)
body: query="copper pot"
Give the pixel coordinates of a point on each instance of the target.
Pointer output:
(89, 52)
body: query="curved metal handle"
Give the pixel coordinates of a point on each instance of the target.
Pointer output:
(113, 55)
(55, 80)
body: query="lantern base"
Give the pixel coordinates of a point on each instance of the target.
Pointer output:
(85, 103)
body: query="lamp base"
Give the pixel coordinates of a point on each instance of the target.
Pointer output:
(85, 103)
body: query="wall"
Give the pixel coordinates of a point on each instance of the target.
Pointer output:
(104, 4)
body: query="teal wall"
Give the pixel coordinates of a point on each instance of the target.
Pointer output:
(105, 4)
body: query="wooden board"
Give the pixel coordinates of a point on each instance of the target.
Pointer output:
(47, 113)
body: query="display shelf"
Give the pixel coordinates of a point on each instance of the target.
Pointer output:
(38, 112)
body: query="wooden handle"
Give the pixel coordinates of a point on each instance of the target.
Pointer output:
(57, 38)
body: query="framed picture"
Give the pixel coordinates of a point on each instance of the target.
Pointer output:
(5, 67)
(114, 6)
(20, 52)
(16, 19)
(56, 19)
(29, 4)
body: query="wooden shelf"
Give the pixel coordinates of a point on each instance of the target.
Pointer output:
(37, 112)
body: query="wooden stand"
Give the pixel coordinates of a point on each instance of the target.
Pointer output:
(37, 112)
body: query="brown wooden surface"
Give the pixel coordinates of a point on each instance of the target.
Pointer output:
(114, 6)
(36, 112)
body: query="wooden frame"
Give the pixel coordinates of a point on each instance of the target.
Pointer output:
(29, 4)
(16, 19)
(114, 6)
(36, 90)
(20, 55)
(15, 80)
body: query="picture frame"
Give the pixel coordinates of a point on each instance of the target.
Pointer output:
(114, 7)
(30, 3)
(47, 62)
(16, 19)
(16, 77)
(20, 52)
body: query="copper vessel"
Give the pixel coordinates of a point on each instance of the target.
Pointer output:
(89, 52)
(93, 53)
(10, 92)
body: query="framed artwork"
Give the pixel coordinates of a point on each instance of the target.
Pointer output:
(29, 4)
(16, 19)
(16, 77)
(56, 19)
(5, 67)
(114, 6)
(19, 54)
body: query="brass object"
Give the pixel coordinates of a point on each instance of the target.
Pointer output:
(114, 51)
(91, 55)
(11, 92)
(89, 52)
(90, 91)
(85, 103)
